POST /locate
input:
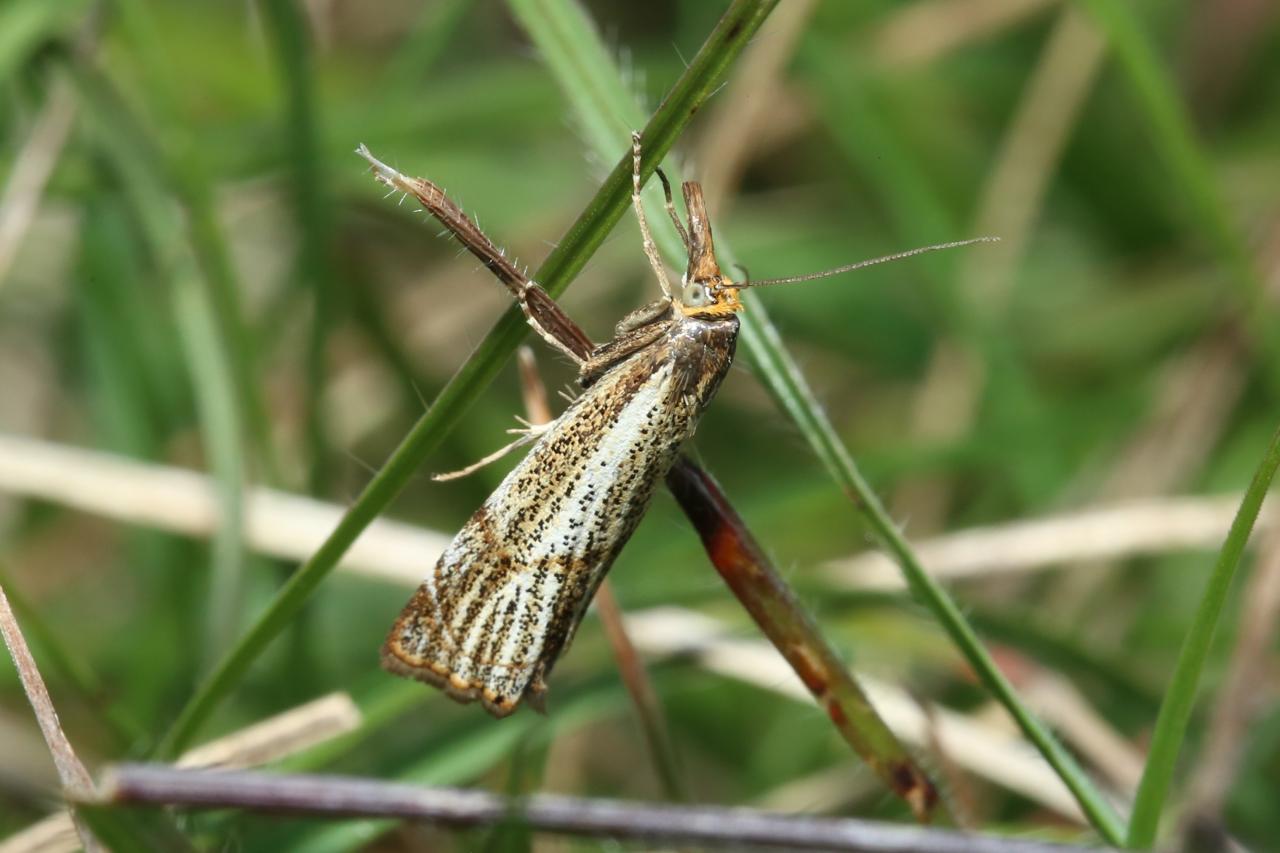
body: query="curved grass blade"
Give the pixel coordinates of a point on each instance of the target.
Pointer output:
(784, 381)
(1174, 140)
(145, 181)
(72, 670)
(181, 164)
(698, 82)
(1175, 711)
(314, 264)
(27, 24)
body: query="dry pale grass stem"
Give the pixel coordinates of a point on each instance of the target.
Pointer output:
(272, 739)
(277, 523)
(946, 402)
(926, 31)
(31, 170)
(1114, 532)
(76, 781)
(993, 752)
(700, 826)
(757, 111)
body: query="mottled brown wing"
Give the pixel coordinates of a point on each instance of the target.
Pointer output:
(506, 596)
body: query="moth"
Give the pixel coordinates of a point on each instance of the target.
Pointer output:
(506, 597)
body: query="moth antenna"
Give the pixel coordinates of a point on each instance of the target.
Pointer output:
(897, 256)
(746, 275)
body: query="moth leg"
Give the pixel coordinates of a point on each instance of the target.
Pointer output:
(552, 324)
(527, 434)
(543, 314)
(650, 249)
(569, 393)
(671, 211)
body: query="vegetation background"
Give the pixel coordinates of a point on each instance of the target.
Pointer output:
(209, 279)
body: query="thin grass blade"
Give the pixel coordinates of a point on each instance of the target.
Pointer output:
(1174, 140)
(1175, 711)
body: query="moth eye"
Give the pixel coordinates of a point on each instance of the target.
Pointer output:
(695, 295)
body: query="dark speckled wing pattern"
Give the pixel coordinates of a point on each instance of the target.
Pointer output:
(506, 596)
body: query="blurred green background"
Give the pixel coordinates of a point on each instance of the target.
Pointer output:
(209, 278)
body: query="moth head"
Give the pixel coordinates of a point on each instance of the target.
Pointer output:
(704, 290)
(708, 297)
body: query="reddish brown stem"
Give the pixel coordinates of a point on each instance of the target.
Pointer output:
(776, 610)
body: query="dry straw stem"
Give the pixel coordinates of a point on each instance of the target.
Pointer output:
(591, 818)
(1065, 708)
(926, 31)
(1012, 197)
(278, 524)
(635, 676)
(288, 525)
(1109, 532)
(993, 752)
(269, 740)
(752, 106)
(284, 525)
(31, 170)
(287, 733)
(74, 778)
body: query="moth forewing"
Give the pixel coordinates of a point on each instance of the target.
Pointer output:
(507, 595)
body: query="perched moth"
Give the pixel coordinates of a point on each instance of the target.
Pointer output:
(505, 598)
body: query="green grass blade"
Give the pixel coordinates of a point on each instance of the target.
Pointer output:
(133, 829)
(140, 166)
(1174, 139)
(182, 162)
(605, 107)
(71, 668)
(785, 382)
(700, 79)
(219, 418)
(287, 36)
(436, 26)
(467, 756)
(25, 25)
(585, 236)
(1179, 700)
